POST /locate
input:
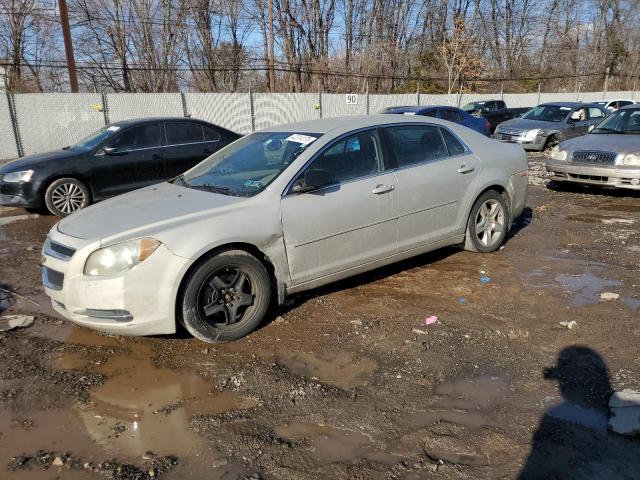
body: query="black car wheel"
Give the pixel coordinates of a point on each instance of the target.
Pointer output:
(65, 196)
(225, 298)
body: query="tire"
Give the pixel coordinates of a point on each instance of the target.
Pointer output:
(481, 236)
(66, 196)
(218, 304)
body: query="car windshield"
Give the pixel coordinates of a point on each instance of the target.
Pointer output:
(96, 138)
(470, 107)
(547, 113)
(620, 122)
(248, 165)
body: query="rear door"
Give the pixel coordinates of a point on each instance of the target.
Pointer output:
(135, 162)
(186, 146)
(351, 222)
(434, 171)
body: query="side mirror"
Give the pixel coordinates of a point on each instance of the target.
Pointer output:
(312, 180)
(109, 150)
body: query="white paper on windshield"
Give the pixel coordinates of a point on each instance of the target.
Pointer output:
(409, 113)
(113, 128)
(298, 138)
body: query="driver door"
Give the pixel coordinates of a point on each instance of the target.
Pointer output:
(350, 222)
(578, 122)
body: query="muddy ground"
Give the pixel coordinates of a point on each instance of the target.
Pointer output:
(348, 381)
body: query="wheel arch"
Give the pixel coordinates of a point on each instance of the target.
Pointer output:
(278, 287)
(49, 180)
(502, 190)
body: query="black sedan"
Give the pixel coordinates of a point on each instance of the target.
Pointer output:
(120, 157)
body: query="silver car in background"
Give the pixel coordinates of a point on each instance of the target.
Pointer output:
(609, 155)
(546, 125)
(277, 212)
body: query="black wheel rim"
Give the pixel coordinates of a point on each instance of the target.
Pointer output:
(225, 296)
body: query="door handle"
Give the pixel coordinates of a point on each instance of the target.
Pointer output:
(382, 188)
(466, 169)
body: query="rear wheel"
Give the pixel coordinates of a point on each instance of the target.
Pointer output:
(488, 223)
(226, 297)
(65, 196)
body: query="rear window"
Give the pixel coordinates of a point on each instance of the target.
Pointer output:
(183, 132)
(414, 144)
(453, 144)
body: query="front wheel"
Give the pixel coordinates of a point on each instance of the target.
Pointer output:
(65, 196)
(226, 297)
(488, 223)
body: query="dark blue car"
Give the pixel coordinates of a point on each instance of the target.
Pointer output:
(452, 114)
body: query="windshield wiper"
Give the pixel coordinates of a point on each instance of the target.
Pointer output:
(217, 189)
(605, 129)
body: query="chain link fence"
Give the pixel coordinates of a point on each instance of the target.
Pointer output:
(40, 122)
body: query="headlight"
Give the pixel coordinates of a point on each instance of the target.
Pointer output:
(120, 257)
(557, 154)
(631, 159)
(18, 177)
(531, 134)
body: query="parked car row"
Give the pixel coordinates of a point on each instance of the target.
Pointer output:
(224, 226)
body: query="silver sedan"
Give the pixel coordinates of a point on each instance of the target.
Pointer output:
(608, 156)
(277, 212)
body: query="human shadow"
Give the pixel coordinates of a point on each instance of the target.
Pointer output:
(572, 441)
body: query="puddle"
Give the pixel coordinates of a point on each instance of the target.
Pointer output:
(329, 444)
(620, 208)
(341, 370)
(585, 288)
(586, 417)
(632, 303)
(605, 219)
(16, 218)
(423, 419)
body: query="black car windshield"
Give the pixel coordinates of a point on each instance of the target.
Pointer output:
(547, 113)
(96, 138)
(620, 122)
(248, 165)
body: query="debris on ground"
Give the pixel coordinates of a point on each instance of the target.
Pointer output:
(625, 412)
(570, 325)
(9, 322)
(607, 296)
(430, 320)
(462, 300)
(357, 323)
(418, 331)
(485, 279)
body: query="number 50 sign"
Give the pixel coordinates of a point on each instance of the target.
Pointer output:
(351, 99)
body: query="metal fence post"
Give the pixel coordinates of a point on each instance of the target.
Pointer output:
(253, 116)
(185, 111)
(14, 124)
(418, 95)
(320, 102)
(105, 109)
(367, 98)
(538, 102)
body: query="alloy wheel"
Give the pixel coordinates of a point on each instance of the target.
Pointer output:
(490, 222)
(68, 198)
(225, 296)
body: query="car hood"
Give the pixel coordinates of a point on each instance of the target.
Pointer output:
(145, 212)
(525, 124)
(37, 160)
(604, 142)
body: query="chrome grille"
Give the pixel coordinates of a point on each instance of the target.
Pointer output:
(594, 158)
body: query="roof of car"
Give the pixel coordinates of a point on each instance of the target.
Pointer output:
(138, 121)
(412, 108)
(348, 123)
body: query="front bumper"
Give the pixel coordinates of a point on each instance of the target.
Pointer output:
(140, 301)
(537, 144)
(19, 195)
(611, 176)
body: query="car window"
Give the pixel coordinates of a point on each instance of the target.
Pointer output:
(353, 157)
(624, 103)
(183, 132)
(413, 144)
(211, 134)
(453, 144)
(450, 115)
(143, 136)
(430, 113)
(595, 112)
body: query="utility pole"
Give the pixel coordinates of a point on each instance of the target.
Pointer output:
(68, 45)
(272, 73)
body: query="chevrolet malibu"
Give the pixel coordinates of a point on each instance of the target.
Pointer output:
(277, 212)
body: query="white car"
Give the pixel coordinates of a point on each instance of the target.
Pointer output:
(277, 212)
(613, 105)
